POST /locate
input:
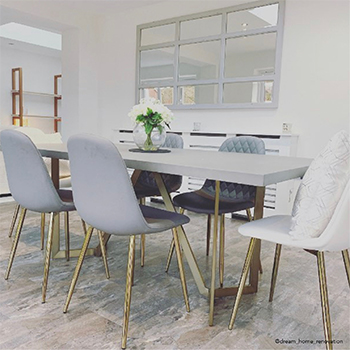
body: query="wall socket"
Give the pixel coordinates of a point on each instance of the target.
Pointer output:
(287, 128)
(196, 126)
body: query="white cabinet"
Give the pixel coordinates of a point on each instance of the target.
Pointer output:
(278, 198)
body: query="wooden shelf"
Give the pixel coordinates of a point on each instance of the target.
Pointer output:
(17, 94)
(44, 94)
(16, 116)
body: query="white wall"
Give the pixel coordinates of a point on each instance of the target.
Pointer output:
(38, 76)
(314, 92)
(98, 66)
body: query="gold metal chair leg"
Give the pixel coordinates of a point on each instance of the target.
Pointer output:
(84, 226)
(208, 234)
(15, 242)
(42, 230)
(249, 214)
(104, 252)
(275, 270)
(14, 219)
(142, 249)
(346, 259)
(66, 231)
(142, 240)
(222, 250)
(242, 281)
(127, 300)
(250, 218)
(170, 255)
(47, 257)
(181, 268)
(78, 267)
(324, 299)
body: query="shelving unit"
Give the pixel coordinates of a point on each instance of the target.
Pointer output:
(17, 93)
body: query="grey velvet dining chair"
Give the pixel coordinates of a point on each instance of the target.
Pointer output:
(233, 197)
(146, 185)
(105, 199)
(32, 189)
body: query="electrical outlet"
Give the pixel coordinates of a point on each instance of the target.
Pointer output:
(287, 128)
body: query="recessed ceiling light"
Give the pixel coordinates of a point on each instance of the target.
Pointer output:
(244, 24)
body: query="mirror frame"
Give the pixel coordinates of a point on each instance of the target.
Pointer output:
(221, 81)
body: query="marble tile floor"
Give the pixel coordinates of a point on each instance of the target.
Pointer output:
(158, 317)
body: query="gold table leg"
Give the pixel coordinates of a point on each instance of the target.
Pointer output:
(187, 250)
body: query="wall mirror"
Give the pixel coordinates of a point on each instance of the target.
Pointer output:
(227, 58)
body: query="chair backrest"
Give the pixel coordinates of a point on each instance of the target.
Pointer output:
(172, 182)
(102, 189)
(229, 190)
(29, 181)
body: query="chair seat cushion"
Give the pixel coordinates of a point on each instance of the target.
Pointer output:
(201, 203)
(276, 229)
(160, 220)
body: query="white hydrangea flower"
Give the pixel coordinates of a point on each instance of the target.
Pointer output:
(155, 106)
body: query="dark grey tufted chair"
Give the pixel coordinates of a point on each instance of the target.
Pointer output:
(233, 197)
(146, 185)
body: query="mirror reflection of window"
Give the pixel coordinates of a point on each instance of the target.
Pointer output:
(198, 94)
(200, 60)
(249, 92)
(158, 35)
(164, 94)
(202, 27)
(255, 18)
(246, 55)
(157, 65)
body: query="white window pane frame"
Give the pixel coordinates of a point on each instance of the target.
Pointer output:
(275, 78)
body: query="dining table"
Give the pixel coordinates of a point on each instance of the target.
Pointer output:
(249, 169)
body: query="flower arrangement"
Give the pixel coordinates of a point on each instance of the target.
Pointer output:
(152, 114)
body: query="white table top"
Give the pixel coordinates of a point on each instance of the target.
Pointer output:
(250, 169)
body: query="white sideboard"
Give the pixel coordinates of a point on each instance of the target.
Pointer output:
(278, 198)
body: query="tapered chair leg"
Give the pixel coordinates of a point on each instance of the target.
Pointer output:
(103, 252)
(208, 234)
(170, 255)
(142, 240)
(181, 269)
(14, 219)
(47, 257)
(15, 242)
(222, 251)
(242, 281)
(275, 270)
(250, 218)
(142, 249)
(42, 230)
(84, 226)
(127, 300)
(66, 231)
(324, 299)
(78, 267)
(346, 259)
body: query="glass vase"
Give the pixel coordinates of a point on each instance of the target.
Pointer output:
(148, 142)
